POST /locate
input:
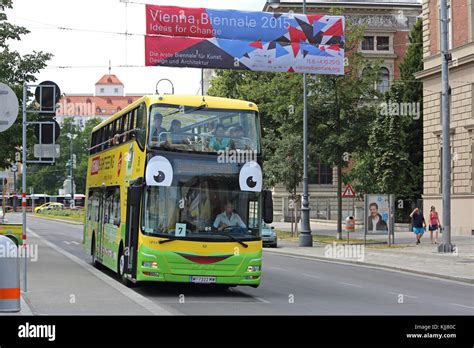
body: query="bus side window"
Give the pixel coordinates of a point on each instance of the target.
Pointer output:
(89, 207)
(116, 207)
(125, 128)
(141, 124)
(131, 124)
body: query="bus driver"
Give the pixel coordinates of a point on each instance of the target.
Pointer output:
(228, 218)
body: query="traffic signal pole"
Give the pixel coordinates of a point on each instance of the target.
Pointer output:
(23, 186)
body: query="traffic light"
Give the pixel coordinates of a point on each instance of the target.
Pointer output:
(47, 95)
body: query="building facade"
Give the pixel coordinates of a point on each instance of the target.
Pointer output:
(388, 24)
(461, 80)
(108, 99)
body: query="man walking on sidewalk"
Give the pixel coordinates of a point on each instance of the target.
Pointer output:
(419, 224)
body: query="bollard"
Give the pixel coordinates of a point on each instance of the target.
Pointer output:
(9, 276)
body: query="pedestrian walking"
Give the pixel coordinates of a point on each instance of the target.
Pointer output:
(435, 225)
(419, 224)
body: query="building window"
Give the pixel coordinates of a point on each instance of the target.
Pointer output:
(109, 101)
(376, 43)
(383, 43)
(102, 90)
(368, 43)
(88, 101)
(115, 90)
(320, 174)
(384, 80)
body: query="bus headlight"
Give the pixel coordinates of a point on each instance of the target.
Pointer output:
(150, 264)
(251, 269)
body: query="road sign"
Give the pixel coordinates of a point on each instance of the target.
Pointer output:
(8, 107)
(14, 168)
(45, 151)
(348, 192)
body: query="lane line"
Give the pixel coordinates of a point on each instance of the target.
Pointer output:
(261, 299)
(460, 305)
(350, 284)
(144, 302)
(310, 275)
(277, 268)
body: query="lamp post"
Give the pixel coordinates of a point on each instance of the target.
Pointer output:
(71, 167)
(305, 239)
(446, 245)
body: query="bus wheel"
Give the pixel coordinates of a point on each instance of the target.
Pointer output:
(95, 263)
(121, 268)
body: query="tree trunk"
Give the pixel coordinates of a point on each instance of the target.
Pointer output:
(339, 203)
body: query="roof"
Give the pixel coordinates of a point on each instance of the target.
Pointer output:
(86, 105)
(109, 80)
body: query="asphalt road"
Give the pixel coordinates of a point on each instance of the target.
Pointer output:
(293, 285)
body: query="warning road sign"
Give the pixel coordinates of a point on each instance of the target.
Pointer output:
(348, 192)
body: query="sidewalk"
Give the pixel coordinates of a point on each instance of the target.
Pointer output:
(421, 259)
(60, 283)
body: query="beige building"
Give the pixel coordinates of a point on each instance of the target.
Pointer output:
(461, 79)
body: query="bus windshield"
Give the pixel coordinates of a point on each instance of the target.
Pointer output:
(201, 210)
(202, 129)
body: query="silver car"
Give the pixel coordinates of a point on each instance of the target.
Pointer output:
(269, 236)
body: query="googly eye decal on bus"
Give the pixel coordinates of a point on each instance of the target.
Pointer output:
(250, 177)
(159, 172)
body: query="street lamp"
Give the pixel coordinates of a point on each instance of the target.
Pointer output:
(274, 3)
(305, 240)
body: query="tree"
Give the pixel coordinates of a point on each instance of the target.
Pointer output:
(394, 161)
(15, 69)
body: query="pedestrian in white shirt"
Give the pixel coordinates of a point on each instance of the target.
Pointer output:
(228, 218)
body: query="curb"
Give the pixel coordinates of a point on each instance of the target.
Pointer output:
(54, 219)
(400, 269)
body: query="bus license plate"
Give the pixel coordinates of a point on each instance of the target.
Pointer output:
(202, 280)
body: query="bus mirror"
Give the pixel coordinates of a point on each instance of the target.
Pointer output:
(267, 207)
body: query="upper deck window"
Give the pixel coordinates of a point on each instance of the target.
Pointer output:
(201, 129)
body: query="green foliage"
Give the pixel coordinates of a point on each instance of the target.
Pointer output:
(393, 161)
(15, 69)
(49, 179)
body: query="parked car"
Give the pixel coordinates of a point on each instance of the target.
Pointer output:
(49, 206)
(269, 236)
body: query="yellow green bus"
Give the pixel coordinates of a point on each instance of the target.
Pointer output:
(174, 192)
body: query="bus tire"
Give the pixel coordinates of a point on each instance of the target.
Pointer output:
(95, 263)
(121, 267)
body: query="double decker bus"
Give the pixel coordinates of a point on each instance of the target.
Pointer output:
(174, 192)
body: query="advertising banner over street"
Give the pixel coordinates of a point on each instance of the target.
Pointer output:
(230, 39)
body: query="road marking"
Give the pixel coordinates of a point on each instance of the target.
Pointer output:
(68, 243)
(310, 275)
(134, 296)
(277, 268)
(350, 284)
(460, 305)
(74, 242)
(261, 300)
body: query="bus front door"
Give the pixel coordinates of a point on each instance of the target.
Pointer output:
(132, 226)
(100, 229)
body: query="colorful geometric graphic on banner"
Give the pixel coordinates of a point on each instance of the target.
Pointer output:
(230, 39)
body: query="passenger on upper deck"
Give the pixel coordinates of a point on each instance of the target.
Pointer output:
(219, 142)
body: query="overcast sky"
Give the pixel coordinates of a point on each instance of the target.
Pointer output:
(92, 50)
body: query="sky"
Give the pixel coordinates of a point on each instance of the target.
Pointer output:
(87, 52)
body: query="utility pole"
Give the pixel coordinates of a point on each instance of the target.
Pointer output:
(445, 246)
(306, 239)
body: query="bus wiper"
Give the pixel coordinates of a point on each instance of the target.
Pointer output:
(233, 238)
(167, 240)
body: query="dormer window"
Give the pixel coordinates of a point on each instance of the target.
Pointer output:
(109, 101)
(88, 101)
(109, 80)
(130, 101)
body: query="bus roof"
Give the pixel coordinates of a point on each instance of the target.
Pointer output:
(187, 100)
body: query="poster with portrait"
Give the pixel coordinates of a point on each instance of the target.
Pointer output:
(377, 214)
